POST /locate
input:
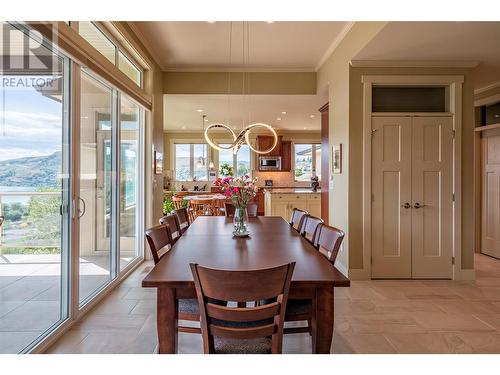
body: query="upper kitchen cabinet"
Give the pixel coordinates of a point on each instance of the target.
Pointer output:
(286, 156)
(265, 142)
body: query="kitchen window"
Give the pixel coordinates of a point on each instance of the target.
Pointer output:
(240, 162)
(191, 161)
(307, 158)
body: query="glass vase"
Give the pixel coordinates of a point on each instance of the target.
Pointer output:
(240, 221)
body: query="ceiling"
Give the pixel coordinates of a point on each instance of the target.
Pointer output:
(438, 41)
(181, 113)
(205, 45)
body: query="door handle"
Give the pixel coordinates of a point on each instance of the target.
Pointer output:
(406, 205)
(81, 212)
(418, 205)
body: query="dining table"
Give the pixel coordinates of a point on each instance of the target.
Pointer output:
(272, 242)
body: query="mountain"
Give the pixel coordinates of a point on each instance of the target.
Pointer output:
(40, 171)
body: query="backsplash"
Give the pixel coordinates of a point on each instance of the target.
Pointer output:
(281, 179)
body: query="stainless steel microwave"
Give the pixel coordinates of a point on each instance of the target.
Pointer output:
(270, 163)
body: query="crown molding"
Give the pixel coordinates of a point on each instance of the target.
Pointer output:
(413, 64)
(340, 37)
(486, 88)
(239, 69)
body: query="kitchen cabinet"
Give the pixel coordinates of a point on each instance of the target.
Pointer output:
(286, 156)
(282, 204)
(264, 142)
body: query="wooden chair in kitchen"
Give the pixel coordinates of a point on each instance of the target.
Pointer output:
(242, 330)
(160, 242)
(201, 207)
(229, 208)
(177, 202)
(183, 217)
(309, 227)
(174, 225)
(297, 218)
(328, 241)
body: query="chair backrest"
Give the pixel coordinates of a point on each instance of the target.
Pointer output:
(229, 207)
(159, 241)
(182, 216)
(297, 217)
(328, 241)
(242, 286)
(174, 226)
(202, 207)
(252, 209)
(309, 227)
(177, 202)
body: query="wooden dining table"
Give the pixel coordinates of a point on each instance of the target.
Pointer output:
(272, 241)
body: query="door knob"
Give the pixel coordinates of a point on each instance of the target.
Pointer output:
(418, 205)
(406, 205)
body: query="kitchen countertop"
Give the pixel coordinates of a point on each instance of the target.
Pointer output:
(292, 191)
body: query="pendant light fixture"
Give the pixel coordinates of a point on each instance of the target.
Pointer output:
(244, 135)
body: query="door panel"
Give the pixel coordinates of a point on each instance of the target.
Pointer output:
(490, 241)
(432, 178)
(391, 188)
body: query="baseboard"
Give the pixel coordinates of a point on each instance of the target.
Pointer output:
(359, 274)
(468, 274)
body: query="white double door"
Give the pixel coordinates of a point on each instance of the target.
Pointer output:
(412, 197)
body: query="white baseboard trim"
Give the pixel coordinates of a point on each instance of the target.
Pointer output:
(467, 274)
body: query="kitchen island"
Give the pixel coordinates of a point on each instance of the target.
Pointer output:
(280, 202)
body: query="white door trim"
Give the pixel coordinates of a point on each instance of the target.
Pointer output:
(455, 92)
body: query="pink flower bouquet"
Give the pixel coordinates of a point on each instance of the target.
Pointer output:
(240, 189)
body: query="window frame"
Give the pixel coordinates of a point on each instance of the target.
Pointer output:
(313, 161)
(235, 160)
(191, 160)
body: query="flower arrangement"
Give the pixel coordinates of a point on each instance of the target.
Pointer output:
(226, 170)
(239, 189)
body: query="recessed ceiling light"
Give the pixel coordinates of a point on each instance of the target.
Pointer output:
(183, 127)
(234, 127)
(283, 113)
(305, 128)
(206, 120)
(495, 116)
(199, 110)
(269, 21)
(210, 21)
(279, 118)
(311, 116)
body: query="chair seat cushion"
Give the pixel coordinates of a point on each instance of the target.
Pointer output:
(298, 306)
(189, 305)
(250, 346)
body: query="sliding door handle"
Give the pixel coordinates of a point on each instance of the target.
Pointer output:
(406, 205)
(81, 212)
(418, 205)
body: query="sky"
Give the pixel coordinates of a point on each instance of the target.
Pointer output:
(30, 123)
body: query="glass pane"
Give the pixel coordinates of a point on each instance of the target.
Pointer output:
(126, 66)
(95, 186)
(318, 161)
(182, 162)
(33, 190)
(303, 162)
(200, 171)
(130, 124)
(225, 157)
(243, 161)
(97, 39)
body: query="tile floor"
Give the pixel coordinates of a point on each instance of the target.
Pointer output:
(404, 316)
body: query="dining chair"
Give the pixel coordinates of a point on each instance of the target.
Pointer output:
(297, 218)
(242, 330)
(174, 226)
(328, 242)
(183, 217)
(201, 207)
(309, 227)
(252, 209)
(219, 207)
(177, 202)
(160, 242)
(229, 207)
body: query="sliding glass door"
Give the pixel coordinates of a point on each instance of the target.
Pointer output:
(34, 189)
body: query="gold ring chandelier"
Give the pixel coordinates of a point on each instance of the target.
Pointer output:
(243, 137)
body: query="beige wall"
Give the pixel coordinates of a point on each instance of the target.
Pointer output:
(334, 74)
(356, 158)
(257, 83)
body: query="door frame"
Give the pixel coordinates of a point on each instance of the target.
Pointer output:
(454, 84)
